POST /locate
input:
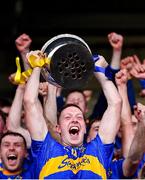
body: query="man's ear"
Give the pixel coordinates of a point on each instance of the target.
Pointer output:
(58, 129)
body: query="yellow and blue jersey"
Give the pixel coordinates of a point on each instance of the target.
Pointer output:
(56, 161)
(27, 172)
(116, 170)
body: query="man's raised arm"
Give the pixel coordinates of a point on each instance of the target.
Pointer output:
(110, 121)
(34, 116)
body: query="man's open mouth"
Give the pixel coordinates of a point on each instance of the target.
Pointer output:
(12, 158)
(74, 130)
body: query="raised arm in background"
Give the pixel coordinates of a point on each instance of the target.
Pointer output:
(126, 115)
(49, 92)
(137, 148)
(23, 43)
(14, 120)
(116, 41)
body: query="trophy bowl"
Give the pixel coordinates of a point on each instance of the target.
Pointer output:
(71, 61)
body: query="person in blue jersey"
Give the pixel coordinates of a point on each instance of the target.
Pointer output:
(133, 147)
(124, 168)
(136, 155)
(13, 152)
(71, 158)
(131, 164)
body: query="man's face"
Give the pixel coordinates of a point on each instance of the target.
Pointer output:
(13, 152)
(93, 131)
(72, 126)
(78, 99)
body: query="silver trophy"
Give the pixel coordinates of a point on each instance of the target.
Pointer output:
(71, 61)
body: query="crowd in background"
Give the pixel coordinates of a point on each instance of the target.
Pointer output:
(45, 134)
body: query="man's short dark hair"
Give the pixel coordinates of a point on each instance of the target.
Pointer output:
(66, 106)
(13, 134)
